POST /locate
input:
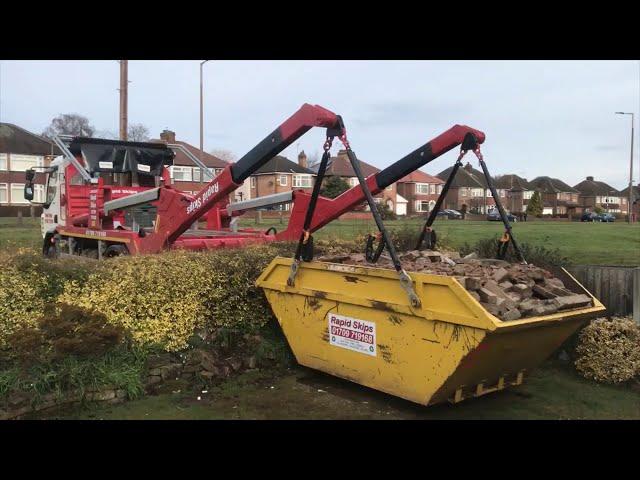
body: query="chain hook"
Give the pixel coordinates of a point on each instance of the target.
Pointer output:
(478, 153)
(327, 144)
(344, 140)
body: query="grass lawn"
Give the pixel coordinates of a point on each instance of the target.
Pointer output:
(583, 243)
(27, 235)
(552, 392)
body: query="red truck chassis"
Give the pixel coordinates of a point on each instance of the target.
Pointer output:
(176, 211)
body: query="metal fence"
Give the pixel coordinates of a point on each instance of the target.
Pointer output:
(618, 288)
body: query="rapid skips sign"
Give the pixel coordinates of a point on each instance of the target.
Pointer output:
(352, 334)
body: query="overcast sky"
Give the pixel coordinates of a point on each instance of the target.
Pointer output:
(541, 117)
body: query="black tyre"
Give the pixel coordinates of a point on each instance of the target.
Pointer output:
(115, 251)
(50, 245)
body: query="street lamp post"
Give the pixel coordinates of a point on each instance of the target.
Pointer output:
(630, 200)
(201, 118)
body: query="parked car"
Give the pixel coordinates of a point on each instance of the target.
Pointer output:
(494, 216)
(606, 217)
(589, 217)
(450, 214)
(597, 217)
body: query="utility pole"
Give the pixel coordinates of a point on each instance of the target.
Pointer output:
(202, 118)
(124, 83)
(630, 200)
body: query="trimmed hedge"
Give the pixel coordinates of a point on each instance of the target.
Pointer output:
(609, 350)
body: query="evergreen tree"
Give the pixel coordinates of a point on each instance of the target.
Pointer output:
(333, 186)
(534, 207)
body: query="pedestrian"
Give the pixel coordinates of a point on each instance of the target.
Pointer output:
(525, 216)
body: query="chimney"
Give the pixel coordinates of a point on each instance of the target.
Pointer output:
(168, 136)
(302, 159)
(590, 179)
(468, 167)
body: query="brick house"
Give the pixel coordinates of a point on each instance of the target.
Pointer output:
(282, 175)
(558, 198)
(518, 192)
(421, 191)
(469, 187)
(594, 193)
(19, 151)
(635, 201)
(340, 166)
(186, 176)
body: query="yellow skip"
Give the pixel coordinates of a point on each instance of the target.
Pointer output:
(357, 323)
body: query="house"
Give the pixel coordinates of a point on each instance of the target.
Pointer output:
(420, 190)
(19, 151)
(635, 201)
(185, 176)
(518, 192)
(469, 190)
(282, 175)
(558, 198)
(594, 193)
(340, 166)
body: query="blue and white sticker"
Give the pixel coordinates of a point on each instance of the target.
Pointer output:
(352, 333)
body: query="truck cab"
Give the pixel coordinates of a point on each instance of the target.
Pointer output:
(90, 172)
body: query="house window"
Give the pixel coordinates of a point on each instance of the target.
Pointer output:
(196, 174)
(38, 193)
(218, 171)
(4, 198)
(432, 189)
(463, 192)
(3, 161)
(302, 181)
(422, 188)
(477, 192)
(527, 194)
(353, 181)
(282, 180)
(17, 193)
(422, 205)
(20, 163)
(389, 188)
(253, 182)
(181, 174)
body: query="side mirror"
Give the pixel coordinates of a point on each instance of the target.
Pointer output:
(28, 185)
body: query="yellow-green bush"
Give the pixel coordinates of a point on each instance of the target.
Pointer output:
(158, 299)
(609, 350)
(21, 299)
(161, 300)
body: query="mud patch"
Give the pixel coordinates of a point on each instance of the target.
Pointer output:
(352, 279)
(313, 302)
(380, 305)
(386, 353)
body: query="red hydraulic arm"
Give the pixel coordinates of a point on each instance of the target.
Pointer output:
(177, 212)
(328, 210)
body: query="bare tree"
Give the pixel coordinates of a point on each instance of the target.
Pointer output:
(226, 155)
(109, 134)
(313, 158)
(69, 124)
(138, 132)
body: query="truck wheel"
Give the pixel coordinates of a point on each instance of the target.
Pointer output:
(49, 248)
(115, 251)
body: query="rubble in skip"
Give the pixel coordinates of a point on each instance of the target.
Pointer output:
(509, 291)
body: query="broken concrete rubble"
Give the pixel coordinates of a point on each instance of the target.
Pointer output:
(509, 291)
